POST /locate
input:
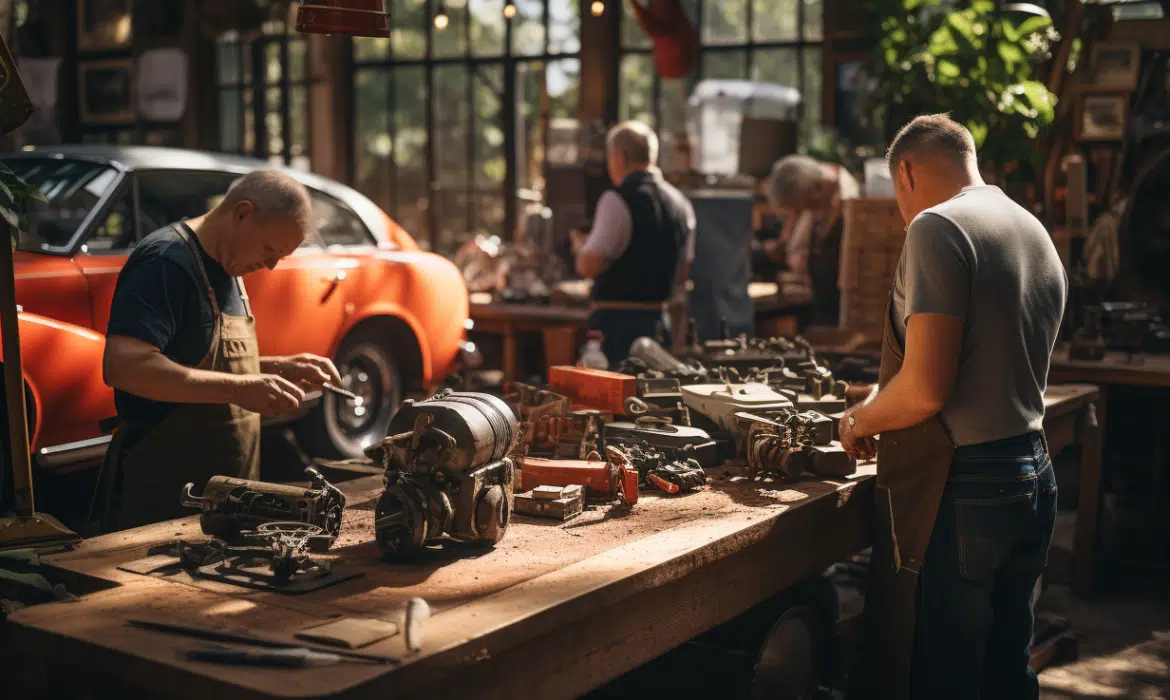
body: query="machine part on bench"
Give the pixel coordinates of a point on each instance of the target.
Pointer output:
(604, 480)
(655, 357)
(789, 448)
(568, 503)
(231, 506)
(276, 556)
(658, 468)
(677, 441)
(447, 473)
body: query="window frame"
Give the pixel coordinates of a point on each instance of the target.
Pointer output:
(371, 240)
(127, 185)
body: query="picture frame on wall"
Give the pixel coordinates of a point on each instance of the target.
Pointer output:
(1113, 66)
(1102, 117)
(104, 24)
(107, 91)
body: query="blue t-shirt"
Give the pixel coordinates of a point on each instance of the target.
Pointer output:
(161, 299)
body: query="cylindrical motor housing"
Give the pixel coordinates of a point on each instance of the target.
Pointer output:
(482, 426)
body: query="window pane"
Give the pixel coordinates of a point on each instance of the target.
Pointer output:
(410, 188)
(637, 84)
(487, 27)
(528, 28)
(564, 26)
(725, 22)
(775, 20)
(449, 93)
(249, 123)
(273, 70)
(372, 48)
(336, 224)
(814, 20)
(490, 163)
(725, 64)
(563, 81)
(452, 41)
(632, 34)
(273, 124)
(72, 189)
(229, 121)
(489, 215)
(409, 25)
(814, 84)
(672, 108)
(779, 66)
(166, 196)
(372, 140)
(115, 230)
(298, 118)
(530, 80)
(227, 63)
(297, 55)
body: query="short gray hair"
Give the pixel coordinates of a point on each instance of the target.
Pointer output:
(793, 177)
(937, 134)
(634, 141)
(273, 194)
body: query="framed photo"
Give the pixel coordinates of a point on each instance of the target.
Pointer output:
(1114, 66)
(107, 91)
(1102, 117)
(104, 24)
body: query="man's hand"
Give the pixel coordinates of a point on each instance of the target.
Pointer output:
(267, 394)
(305, 370)
(859, 448)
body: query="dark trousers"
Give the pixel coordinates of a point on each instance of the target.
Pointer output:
(621, 327)
(987, 550)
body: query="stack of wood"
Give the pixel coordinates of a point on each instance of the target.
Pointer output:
(870, 249)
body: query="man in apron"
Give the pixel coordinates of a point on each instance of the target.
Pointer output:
(181, 353)
(965, 496)
(639, 249)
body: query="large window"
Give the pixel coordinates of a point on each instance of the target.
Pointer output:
(772, 41)
(264, 92)
(451, 123)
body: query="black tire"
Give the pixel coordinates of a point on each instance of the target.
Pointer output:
(791, 658)
(336, 429)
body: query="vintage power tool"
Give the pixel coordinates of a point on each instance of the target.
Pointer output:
(447, 473)
(788, 449)
(275, 552)
(646, 355)
(231, 506)
(604, 479)
(692, 442)
(592, 388)
(659, 397)
(670, 470)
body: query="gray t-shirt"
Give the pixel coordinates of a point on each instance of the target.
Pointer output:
(985, 259)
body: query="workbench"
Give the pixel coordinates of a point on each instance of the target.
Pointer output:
(555, 610)
(1153, 371)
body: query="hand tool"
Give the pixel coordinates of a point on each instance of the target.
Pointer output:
(354, 398)
(293, 657)
(243, 638)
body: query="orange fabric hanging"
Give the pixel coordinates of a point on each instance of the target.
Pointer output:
(676, 42)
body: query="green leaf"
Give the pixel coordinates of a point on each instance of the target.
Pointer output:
(1010, 53)
(1032, 25)
(948, 69)
(1039, 99)
(942, 42)
(978, 131)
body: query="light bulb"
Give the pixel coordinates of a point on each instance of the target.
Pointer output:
(441, 20)
(510, 10)
(597, 8)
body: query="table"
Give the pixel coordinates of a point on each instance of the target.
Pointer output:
(1114, 370)
(553, 611)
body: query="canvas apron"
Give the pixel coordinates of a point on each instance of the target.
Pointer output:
(145, 470)
(912, 469)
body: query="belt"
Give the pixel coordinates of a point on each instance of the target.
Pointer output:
(629, 305)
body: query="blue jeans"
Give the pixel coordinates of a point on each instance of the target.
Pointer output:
(621, 327)
(987, 550)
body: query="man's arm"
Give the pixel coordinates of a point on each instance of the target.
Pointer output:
(609, 237)
(305, 370)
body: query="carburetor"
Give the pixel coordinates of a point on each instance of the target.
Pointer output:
(231, 506)
(447, 473)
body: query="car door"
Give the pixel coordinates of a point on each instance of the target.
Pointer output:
(104, 250)
(300, 306)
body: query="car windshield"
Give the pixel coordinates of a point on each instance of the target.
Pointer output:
(73, 188)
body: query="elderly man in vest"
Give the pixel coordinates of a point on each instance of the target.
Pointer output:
(639, 249)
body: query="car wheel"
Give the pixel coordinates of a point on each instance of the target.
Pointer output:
(339, 429)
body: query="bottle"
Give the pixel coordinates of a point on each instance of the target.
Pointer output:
(592, 357)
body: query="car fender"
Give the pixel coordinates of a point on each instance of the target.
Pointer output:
(62, 367)
(432, 301)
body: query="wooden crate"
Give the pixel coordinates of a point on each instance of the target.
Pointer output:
(871, 247)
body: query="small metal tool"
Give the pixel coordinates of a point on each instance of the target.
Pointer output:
(354, 398)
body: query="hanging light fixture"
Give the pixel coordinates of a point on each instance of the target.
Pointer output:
(597, 8)
(509, 9)
(441, 18)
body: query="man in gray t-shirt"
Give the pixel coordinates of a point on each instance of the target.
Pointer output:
(977, 301)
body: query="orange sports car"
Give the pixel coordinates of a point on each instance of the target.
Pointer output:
(391, 316)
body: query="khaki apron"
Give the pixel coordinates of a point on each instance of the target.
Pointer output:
(145, 470)
(912, 469)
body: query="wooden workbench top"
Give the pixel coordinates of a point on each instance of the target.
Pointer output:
(543, 578)
(1149, 369)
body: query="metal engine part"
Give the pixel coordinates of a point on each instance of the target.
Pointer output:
(231, 506)
(448, 473)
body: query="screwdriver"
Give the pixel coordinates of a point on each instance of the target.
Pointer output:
(357, 400)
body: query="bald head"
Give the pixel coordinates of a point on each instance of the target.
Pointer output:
(265, 216)
(931, 160)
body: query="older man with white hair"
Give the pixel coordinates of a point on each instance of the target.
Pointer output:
(639, 250)
(809, 194)
(181, 354)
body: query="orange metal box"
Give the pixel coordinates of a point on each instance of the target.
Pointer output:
(593, 388)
